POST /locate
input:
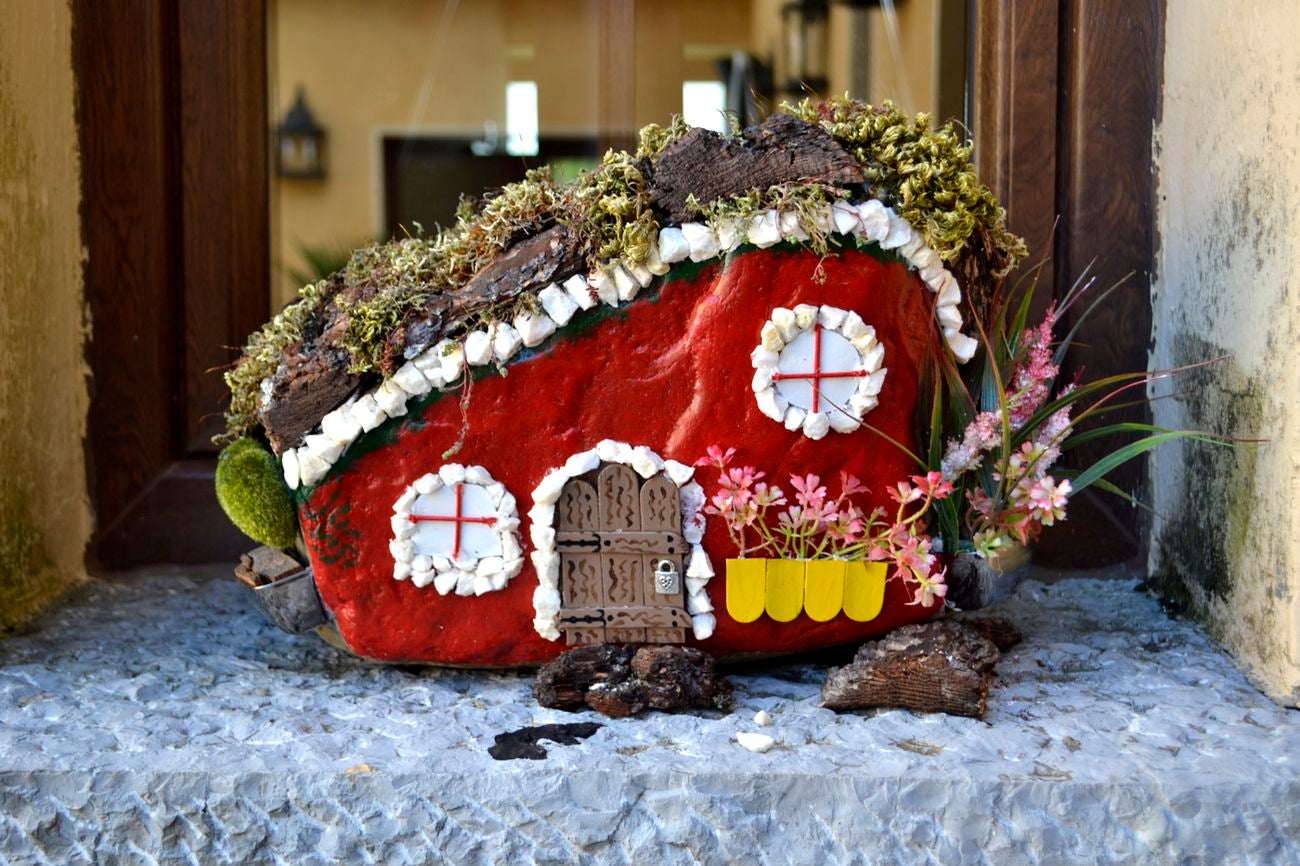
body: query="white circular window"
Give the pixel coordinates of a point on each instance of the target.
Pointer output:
(818, 369)
(457, 529)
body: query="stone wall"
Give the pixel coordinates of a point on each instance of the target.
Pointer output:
(1226, 538)
(45, 515)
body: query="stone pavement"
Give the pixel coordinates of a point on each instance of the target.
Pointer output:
(160, 720)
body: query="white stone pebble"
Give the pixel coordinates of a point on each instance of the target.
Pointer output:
(755, 742)
(673, 246)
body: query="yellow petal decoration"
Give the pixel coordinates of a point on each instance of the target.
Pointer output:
(864, 590)
(746, 588)
(823, 589)
(784, 588)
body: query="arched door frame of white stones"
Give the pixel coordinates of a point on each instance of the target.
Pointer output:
(646, 464)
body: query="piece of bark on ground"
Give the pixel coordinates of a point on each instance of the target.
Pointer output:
(525, 742)
(944, 667)
(621, 681)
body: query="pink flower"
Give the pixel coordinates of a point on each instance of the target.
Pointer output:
(928, 589)
(845, 525)
(903, 493)
(715, 456)
(915, 556)
(1047, 500)
(808, 490)
(765, 496)
(850, 485)
(979, 501)
(932, 485)
(742, 476)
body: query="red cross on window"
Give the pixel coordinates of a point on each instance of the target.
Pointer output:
(457, 519)
(816, 374)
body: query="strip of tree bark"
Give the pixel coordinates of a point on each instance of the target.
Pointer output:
(530, 265)
(782, 149)
(315, 378)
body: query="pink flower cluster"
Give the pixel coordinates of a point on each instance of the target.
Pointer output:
(1026, 497)
(1030, 386)
(816, 526)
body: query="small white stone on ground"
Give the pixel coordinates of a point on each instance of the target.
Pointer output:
(755, 742)
(763, 719)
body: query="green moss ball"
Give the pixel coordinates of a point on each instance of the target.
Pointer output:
(252, 492)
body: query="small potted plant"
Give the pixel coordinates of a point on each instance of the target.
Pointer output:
(997, 436)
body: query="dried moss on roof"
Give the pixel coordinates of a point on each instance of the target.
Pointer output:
(263, 353)
(925, 174)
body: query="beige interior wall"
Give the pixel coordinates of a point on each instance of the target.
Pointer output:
(678, 40)
(1227, 526)
(908, 74)
(45, 519)
(389, 65)
(368, 68)
(437, 66)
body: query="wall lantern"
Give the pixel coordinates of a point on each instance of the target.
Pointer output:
(300, 143)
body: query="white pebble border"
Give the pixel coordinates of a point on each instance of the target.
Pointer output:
(784, 326)
(442, 365)
(647, 464)
(465, 575)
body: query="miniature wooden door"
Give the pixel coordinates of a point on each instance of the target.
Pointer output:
(621, 557)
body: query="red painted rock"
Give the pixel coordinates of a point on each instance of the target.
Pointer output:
(670, 371)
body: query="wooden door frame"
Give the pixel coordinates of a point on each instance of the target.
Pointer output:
(172, 113)
(1065, 97)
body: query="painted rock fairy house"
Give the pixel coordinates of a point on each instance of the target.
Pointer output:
(525, 432)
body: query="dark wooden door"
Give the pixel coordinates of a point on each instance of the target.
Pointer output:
(614, 533)
(172, 114)
(1065, 100)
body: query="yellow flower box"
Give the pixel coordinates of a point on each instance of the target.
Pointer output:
(820, 588)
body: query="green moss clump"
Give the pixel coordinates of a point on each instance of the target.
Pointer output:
(609, 209)
(925, 174)
(383, 283)
(253, 494)
(653, 138)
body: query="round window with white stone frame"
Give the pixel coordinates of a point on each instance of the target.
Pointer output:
(818, 369)
(457, 529)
